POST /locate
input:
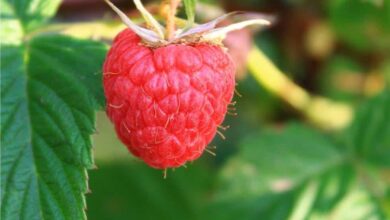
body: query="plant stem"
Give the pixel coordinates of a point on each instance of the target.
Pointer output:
(170, 26)
(320, 111)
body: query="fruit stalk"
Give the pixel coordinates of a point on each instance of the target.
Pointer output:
(171, 15)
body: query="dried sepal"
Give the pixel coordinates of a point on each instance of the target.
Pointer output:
(207, 26)
(203, 32)
(144, 33)
(150, 20)
(220, 33)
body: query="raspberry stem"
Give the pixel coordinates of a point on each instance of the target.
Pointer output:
(170, 26)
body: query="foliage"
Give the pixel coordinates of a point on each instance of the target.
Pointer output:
(50, 88)
(363, 25)
(180, 196)
(295, 171)
(273, 165)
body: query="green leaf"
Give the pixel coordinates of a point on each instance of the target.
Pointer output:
(344, 197)
(11, 31)
(369, 135)
(338, 72)
(47, 117)
(296, 173)
(335, 194)
(190, 7)
(138, 192)
(276, 159)
(363, 25)
(30, 13)
(79, 58)
(273, 171)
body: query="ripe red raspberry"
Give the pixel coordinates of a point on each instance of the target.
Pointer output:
(167, 102)
(167, 91)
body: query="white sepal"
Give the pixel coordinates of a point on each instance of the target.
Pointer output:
(205, 27)
(144, 33)
(220, 33)
(203, 32)
(150, 19)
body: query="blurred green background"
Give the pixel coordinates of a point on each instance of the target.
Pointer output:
(274, 163)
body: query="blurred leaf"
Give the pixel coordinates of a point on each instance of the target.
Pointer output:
(369, 135)
(10, 29)
(385, 69)
(342, 79)
(190, 6)
(132, 190)
(364, 25)
(335, 194)
(271, 206)
(269, 172)
(31, 13)
(342, 196)
(357, 204)
(279, 160)
(333, 186)
(295, 174)
(47, 116)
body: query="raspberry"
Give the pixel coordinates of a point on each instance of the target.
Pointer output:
(166, 102)
(167, 91)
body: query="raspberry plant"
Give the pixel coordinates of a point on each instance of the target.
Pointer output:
(52, 86)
